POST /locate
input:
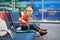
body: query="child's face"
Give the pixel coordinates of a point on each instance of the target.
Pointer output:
(29, 12)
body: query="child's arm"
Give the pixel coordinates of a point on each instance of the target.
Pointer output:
(21, 20)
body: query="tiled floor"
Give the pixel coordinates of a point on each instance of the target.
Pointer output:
(53, 32)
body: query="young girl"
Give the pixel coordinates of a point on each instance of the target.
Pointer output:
(25, 19)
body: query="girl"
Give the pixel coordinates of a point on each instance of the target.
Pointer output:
(25, 19)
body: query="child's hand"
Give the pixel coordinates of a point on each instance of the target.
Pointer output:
(22, 21)
(30, 18)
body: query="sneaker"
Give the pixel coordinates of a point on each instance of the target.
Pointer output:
(42, 33)
(43, 29)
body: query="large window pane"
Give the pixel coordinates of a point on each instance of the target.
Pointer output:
(53, 9)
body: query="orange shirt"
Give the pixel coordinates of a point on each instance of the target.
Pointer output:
(1, 15)
(25, 18)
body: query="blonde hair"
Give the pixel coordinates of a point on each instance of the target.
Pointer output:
(29, 8)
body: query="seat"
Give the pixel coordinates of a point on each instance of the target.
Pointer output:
(15, 16)
(4, 31)
(20, 35)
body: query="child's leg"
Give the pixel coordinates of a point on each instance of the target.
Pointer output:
(32, 26)
(40, 28)
(36, 27)
(24, 27)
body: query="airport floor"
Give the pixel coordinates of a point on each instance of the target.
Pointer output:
(53, 32)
